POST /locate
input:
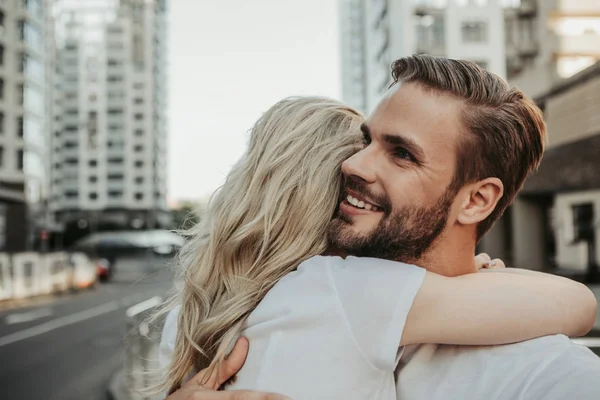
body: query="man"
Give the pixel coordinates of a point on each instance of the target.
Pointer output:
(446, 151)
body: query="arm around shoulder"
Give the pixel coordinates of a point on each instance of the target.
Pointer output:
(498, 308)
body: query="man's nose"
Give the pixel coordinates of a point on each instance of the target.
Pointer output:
(361, 165)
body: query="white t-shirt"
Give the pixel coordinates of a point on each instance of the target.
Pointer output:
(329, 330)
(547, 368)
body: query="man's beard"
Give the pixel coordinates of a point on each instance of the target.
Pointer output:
(404, 235)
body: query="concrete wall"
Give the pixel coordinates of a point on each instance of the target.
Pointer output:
(527, 235)
(574, 114)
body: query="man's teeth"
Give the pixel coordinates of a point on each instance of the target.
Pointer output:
(359, 203)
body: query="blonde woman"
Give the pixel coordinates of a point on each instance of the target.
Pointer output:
(255, 266)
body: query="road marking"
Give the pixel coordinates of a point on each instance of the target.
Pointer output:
(59, 323)
(587, 341)
(143, 306)
(18, 318)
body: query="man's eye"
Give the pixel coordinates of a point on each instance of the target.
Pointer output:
(366, 140)
(404, 154)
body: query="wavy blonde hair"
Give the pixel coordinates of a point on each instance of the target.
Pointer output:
(271, 214)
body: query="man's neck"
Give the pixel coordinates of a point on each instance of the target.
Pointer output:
(452, 255)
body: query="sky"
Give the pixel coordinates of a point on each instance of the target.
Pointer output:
(229, 61)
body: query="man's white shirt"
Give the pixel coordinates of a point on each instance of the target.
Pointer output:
(547, 368)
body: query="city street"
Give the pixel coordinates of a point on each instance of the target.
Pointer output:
(67, 349)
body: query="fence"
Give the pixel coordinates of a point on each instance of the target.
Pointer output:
(140, 365)
(24, 275)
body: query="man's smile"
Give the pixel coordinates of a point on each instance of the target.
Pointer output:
(355, 204)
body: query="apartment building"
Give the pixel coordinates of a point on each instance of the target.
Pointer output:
(23, 114)
(109, 106)
(376, 32)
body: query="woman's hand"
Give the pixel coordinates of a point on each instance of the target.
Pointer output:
(195, 389)
(484, 261)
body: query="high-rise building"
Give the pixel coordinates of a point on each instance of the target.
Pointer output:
(563, 38)
(23, 115)
(376, 32)
(109, 127)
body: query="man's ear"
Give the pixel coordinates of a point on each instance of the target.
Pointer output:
(480, 200)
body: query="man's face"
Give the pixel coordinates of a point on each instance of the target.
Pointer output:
(397, 199)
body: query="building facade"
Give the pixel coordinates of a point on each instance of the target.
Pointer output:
(376, 32)
(555, 221)
(565, 39)
(23, 116)
(109, 106)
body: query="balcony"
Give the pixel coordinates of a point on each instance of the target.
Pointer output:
(587, 44)
(527, 9)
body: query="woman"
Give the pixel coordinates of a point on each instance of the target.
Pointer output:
(254, 266)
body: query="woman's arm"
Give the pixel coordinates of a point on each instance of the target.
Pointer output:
(498, 307)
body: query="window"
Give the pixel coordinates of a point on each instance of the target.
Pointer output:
(474, 32)
(1, 88)
(139, 196)
(139, 132)
(2, 19)
(71, 194)
(115, 111)
(1, 123)
(113, 63)
(1, 54)
(115, 160)
(20, 94)
(139, 100)
(71, 161)
(1, 156)
(138, 148)
(71, 111)
(139, 179)
(93, 163)
(21, 62)
(139, 116)
(93, 196)
(115, 78)
(20, 156)
(69, 144)
(70, 128)
(115, 177)
(139, 164)
(93, 179)
(138, 85)
(115, 194)
(20, 126)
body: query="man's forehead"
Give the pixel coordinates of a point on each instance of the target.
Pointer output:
(424, 116)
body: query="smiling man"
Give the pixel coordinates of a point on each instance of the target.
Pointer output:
(445, 153)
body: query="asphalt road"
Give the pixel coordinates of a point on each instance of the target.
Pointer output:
(67, 348)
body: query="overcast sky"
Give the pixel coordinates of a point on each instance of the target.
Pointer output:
(230, 60)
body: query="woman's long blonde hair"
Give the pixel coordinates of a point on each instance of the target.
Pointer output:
(271, 214)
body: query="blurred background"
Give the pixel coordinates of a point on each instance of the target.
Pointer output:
(119, 118)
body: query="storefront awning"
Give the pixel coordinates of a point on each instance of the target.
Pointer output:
(571, 167)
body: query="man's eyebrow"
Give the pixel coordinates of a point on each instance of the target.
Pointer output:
(408, 143)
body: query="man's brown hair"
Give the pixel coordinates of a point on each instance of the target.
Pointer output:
(506, 130)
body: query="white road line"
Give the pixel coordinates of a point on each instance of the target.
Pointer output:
(59, 323)
(143, 306)
(18, 318)
(587, 341)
